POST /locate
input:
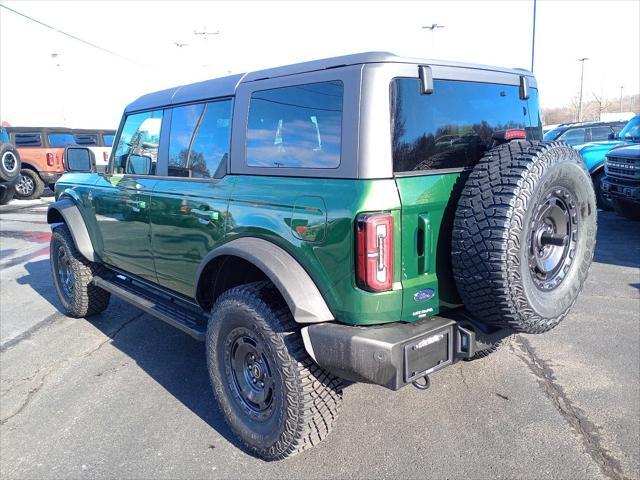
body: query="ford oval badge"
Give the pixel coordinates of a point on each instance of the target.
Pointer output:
(425, 294)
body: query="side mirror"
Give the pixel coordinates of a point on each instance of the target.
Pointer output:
(79, 159)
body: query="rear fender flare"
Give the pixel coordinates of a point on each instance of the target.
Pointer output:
(294, 284)
(66, 211)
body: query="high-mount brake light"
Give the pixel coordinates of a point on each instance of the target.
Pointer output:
(374, 237)
(515, 134)
(50, 159)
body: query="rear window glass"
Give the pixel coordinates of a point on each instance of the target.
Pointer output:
(454, 126)
(108, 140)
(28, 139)
(296, 127)
(60, 139)
(86, 139)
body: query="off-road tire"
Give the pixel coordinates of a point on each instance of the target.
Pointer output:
(491, 242)
(629, 210)
(31, 186)
(84, 299)
(306, 399)
(9, 162)
(6, 194)
(603, 202)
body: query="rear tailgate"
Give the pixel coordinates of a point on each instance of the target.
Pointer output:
(426, 222)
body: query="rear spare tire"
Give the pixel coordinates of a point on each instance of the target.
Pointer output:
(524, 235)
(9, 162)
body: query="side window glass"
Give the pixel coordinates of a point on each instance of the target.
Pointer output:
(573, 137)
(296, 127)
(599, 134)
(60, 139)
(199, 140)
(86, 138)
(137, 150)
(108, 140)
(210, 148)
(454, 126)
(28, 139)
(183, 123)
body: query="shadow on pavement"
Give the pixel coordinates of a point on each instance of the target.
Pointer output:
(618, 240)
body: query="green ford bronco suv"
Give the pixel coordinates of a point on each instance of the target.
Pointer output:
(366, 218)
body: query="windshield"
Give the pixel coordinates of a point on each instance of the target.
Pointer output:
(631, 130)
(553, 134)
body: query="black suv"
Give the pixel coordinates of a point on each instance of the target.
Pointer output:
(584, 132)
(621, 185)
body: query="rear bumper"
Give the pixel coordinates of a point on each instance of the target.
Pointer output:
(614, 188)
(394, 355)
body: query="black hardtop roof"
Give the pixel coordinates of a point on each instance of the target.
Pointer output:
(226, 86)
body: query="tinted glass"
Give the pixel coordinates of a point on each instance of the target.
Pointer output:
(86, 138)
(183, 123)
(108, 140)
(454, 126)
(28, 139)
(553, 134)
(573, 137)
(296, 127)
(631, 130)
(599, 134)
(78, 160)
(60, 139)
(210, 148)
(137, 150)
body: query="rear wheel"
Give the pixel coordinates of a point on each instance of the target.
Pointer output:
(29, 186)
(273, 396)
(524, 235)
(73, 275)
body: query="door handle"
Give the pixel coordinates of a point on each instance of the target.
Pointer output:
(208, 215)
(425, 226)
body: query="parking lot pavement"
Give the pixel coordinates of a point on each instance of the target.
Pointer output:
(124, 395)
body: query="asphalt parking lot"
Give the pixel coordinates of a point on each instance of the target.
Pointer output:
(124, 395)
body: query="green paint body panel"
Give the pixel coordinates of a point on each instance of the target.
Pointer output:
(160, 229)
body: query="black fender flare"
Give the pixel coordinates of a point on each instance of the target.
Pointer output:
(292, 281)
(65, 210)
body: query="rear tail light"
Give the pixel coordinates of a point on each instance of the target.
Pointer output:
(105, 157)
(515, 134)
(50, 159)
(374, 244)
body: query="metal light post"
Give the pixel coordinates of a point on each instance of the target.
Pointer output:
(621, 88)
(533, 39)
(433, 28)
(581, 60)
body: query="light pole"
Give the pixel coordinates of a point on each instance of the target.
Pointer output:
(433, 28)
(581, 60)
(621, 88)
(533, 39)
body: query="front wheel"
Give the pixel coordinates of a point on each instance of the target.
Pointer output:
(73, 275)
(272, 394)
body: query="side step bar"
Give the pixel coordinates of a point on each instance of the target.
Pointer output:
(163, 307)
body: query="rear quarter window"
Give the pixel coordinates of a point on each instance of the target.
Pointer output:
(453, 127)
(28, 139)
(296, 127)
(89, 139)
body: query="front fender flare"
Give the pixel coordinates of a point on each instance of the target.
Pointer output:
(294, 284)
(65, 210)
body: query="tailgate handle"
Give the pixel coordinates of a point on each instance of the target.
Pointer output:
(424, 243)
